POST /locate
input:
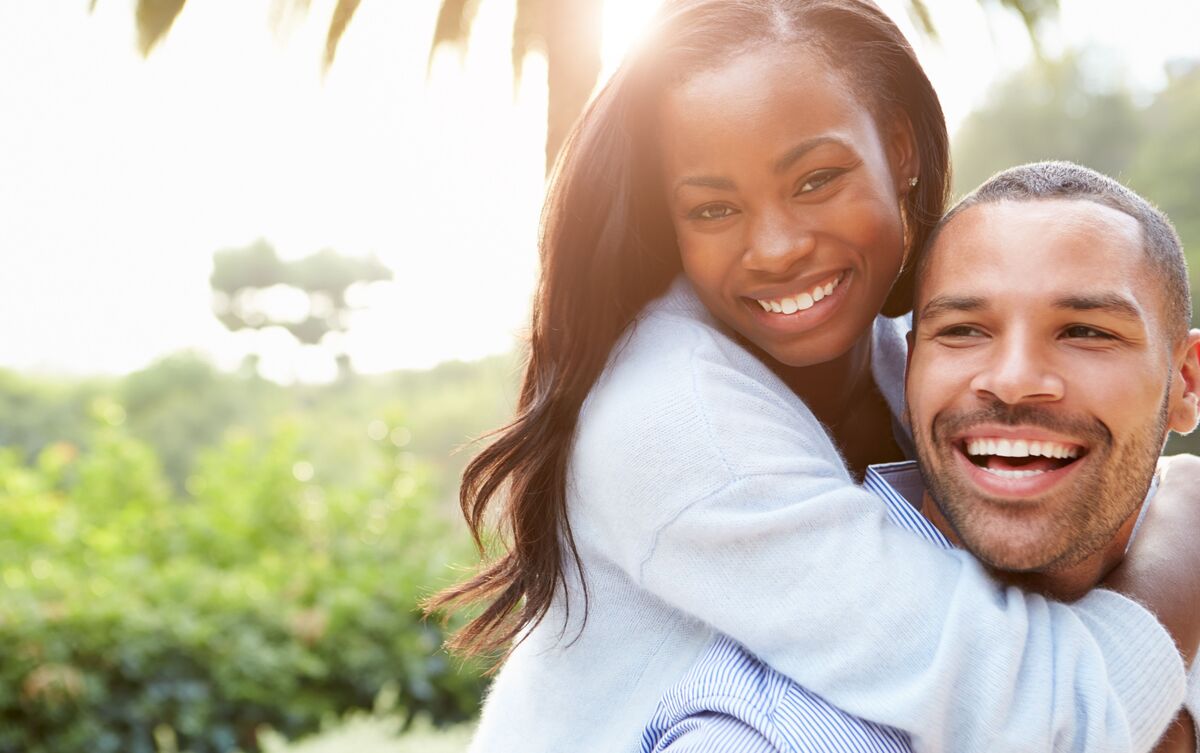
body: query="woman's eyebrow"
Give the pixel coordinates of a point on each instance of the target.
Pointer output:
(705, 181)
(781, 165)
(803, 148)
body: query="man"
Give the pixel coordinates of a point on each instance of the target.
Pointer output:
(1050, 358)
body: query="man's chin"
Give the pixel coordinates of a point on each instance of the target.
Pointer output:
(1011, 547)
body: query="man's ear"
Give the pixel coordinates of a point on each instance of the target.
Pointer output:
(1184, 406)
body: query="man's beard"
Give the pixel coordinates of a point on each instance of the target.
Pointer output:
(1082, 515)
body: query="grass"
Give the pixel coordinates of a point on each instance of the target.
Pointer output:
(373, 733)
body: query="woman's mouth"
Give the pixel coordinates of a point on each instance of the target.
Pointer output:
(801, 301)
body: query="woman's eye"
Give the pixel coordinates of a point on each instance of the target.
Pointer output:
(711, 212)
(813, 181)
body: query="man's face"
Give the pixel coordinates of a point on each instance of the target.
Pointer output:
(1040, 383)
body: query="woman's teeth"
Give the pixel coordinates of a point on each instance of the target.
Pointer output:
(799, 302)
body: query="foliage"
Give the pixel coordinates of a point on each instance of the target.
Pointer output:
(1065, 110)
(1166, 165)
(377, 733)
(1050, 110)
(264, 598)
(249, 281)
(182, 405)
(568, 31)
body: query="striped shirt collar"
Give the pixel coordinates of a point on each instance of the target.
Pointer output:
(900, 486)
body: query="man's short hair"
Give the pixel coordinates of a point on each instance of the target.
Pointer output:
(1066, 180)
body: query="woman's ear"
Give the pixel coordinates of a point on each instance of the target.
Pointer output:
(902, 152)
(1183, 410)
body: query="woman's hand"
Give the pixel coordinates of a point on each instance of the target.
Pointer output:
(1161, 571)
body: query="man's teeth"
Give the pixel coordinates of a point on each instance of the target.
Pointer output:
(1020, 448)
(799, 302)
(1011, 474)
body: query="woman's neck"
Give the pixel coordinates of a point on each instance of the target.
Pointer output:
(832, 389)
(842, 394)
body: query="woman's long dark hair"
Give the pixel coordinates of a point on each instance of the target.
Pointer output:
(608, 248)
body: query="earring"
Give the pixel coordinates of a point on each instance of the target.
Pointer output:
(912, 182)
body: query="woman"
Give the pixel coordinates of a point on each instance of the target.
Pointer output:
(669, 472)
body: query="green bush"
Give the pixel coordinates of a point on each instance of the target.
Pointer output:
(262, 599)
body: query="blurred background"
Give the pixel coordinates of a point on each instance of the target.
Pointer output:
(267, 266)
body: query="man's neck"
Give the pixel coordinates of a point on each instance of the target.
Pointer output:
(1063, 582)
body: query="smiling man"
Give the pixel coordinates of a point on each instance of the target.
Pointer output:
(1049, 359)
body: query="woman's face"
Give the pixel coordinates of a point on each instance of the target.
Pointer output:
(785, 198)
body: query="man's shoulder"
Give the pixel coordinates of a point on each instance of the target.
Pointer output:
(727, 682)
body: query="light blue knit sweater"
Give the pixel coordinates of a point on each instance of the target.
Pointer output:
(704, 495)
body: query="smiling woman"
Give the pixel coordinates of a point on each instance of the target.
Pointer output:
(682, 459)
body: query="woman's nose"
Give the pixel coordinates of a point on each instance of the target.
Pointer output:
(776, 242)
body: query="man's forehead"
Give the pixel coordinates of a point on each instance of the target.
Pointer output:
(1045, 246)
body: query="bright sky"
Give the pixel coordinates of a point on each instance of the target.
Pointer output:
(120, 176)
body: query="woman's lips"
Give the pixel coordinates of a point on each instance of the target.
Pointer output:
(800, 320)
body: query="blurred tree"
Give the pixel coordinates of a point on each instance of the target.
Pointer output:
(1049, 110)
(567, 31)
(1166, 165)
(254, 289)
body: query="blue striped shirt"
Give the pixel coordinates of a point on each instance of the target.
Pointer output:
(731, 702)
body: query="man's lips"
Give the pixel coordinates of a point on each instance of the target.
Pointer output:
(1028, 432)
(1016, 462)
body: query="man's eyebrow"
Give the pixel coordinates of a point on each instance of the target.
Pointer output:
(1109, 303)
(803, 148)
(945, 304)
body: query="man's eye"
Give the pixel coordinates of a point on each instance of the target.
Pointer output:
(815, 180)
(960, 331)
(1083, 332)
(711, 212)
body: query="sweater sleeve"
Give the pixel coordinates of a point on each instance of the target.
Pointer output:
(722, 496)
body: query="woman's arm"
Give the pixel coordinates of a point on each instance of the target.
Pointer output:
(718, 492)
(1161, 571)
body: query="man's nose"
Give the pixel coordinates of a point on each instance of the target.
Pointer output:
(777, 240)
(1019, 371)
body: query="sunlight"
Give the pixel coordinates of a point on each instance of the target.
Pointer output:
(625, 21)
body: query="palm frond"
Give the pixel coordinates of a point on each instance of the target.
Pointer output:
(918, 11)
(1032, 13)
(337, 26)
(453, 24)
(529, 32)
(154, 19)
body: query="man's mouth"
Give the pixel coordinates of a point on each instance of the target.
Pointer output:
(1015, 458)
